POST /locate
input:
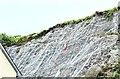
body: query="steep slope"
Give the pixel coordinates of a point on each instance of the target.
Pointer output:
(78, 49)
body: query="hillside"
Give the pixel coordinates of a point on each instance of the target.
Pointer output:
(84, 47)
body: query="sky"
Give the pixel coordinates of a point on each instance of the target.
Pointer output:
(23, 17)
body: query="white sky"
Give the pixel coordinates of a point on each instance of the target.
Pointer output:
(28, 16)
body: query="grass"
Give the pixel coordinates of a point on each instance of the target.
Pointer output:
(19, 40)
(109, 13)
(112, 70)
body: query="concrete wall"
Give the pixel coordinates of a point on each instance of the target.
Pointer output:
(6, 69)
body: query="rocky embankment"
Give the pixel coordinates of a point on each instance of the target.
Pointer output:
(75, 50)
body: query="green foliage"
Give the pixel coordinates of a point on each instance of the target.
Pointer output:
(112, 70)
(116, 69)
(9, 39)
(109, 13)
(77, 21)
(44, 32)
(18, 40)
(31, 36)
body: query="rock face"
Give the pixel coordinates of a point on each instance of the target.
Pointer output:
(70, 51)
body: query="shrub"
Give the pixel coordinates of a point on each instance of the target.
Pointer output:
(18, 40)
(4, 38)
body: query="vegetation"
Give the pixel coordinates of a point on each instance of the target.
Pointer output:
(110, 70)
(18, 40)
(115, 71)
(109, 13)
(9, 40)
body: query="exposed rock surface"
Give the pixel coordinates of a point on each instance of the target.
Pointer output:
(70, 51)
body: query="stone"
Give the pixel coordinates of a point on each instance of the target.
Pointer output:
(78, 49)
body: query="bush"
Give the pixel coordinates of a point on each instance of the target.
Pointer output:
(4, 38)
(18, 40)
